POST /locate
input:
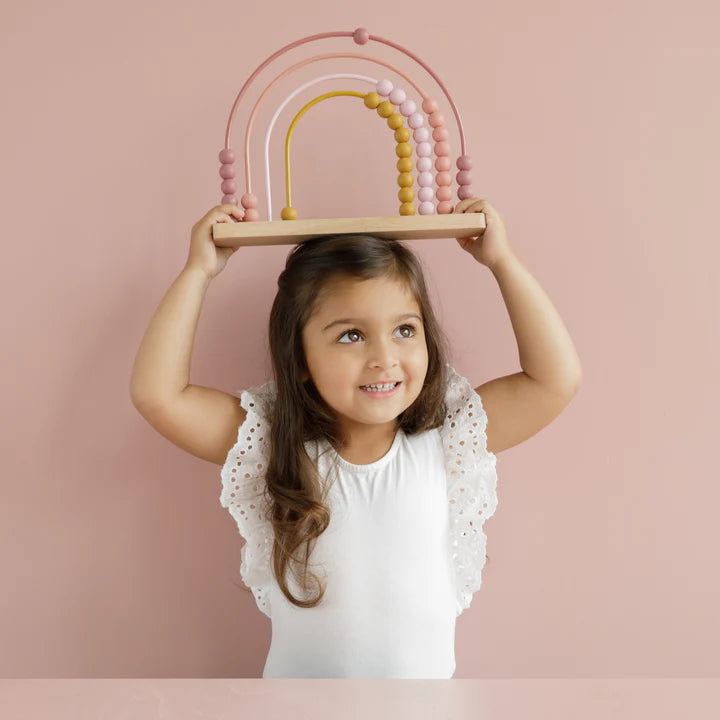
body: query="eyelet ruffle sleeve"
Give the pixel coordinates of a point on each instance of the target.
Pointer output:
(471, 483)
(243, 485)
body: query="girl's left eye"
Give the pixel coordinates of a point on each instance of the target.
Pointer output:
(357, 332)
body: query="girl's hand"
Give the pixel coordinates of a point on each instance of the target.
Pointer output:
(492, 245)
(204, 254)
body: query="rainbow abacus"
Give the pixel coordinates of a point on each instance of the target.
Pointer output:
(390, 102)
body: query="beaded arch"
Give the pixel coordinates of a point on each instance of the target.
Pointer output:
(391, 103)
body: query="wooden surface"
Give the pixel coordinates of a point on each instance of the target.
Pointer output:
(398, 227)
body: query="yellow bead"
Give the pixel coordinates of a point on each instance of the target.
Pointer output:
(289, 213)
(385, 109)
(405, 164)
(405, 179)
(402, 134)
(407, 209)
(403, 149)
(372, 100)
(406, 195)
(395, 121)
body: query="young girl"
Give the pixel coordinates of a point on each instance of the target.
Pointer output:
(361, 476)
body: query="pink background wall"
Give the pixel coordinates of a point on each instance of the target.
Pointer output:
(593, 128)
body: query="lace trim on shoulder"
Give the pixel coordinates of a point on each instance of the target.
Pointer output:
(243, 487)
(472, 483)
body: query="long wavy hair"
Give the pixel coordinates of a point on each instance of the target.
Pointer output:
(295, 492)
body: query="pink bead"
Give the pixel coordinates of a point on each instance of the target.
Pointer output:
(435, 119)
(463, 177)
(421, 134)
(249, 200)
(425, 179)
(423, 149)
(229, 200)
(361, 36)
(440, 133)
(429, 105)
(408, 108)
(442, 163)
(227, 171)
(384, 87)
(443, 178)
(443, 193)
(228, 186)
(425, 194)
(445, 207)
(416, 120)
(424, 164)
(397, 96)
(465, 192)
(464, 162)
(442, 149)
(251, 215)
(226, 156)
(426, 208)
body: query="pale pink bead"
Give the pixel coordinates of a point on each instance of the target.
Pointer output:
(464, 162)
(443, 178)
(227, 171)
(424, 164)
(421, 134)
(444, 193)
(429, 105)
(251, 215)
(228, 186)
(229, 200)
(442, 163)
(416, 120)
(425, 194)
(435, 119)
(361, 36)
(425, 179)
(423, 149)
(408, 108)
(426, 208)
(226, 155)
(397, 96)
(465, 192)
(463, 177)
(440, 133)
(249, 200)
(442, 149)
(384, 87)
(445, 207)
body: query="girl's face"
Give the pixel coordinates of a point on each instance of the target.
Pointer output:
(358, 337)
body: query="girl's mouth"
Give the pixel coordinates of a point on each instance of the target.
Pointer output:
(382, 393)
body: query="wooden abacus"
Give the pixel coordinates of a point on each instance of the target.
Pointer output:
(431, 222)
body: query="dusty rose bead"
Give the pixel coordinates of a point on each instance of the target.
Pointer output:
(463, 177)
(229, 200)
(445, 207)
(226, 156)
(251, 215)
(249, 200)
(443, 193)
(361, 36)
(465, 192)
(443, 178)
(442, 149)
(429, 105)
(425, 194)
(464, 162)
(440, 133)
(228, 186)
(442, 163)
(227, 171)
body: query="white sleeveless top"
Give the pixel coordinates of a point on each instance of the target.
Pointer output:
(400, 559)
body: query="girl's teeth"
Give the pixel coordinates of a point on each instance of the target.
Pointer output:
(381, 388)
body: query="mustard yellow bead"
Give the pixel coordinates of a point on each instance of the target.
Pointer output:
(407, 209)
(402, 134)
(406, 194)
(405, 179)
(289, 213)
(385, 109)
(395, 121)
(405, 164)
(403, 149)
(372, 100)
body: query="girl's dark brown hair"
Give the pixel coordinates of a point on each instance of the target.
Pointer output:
(294, 489)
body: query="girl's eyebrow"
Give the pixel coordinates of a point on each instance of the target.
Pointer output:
(360, 321)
